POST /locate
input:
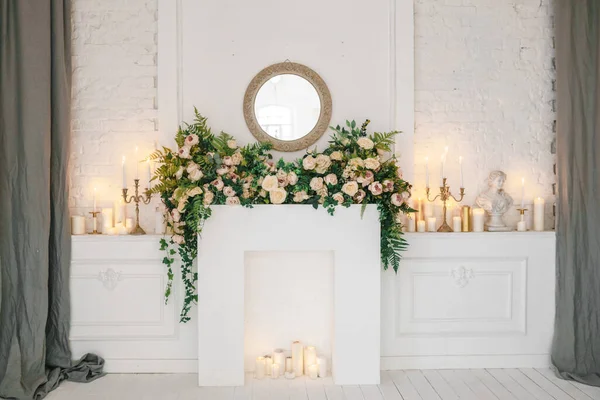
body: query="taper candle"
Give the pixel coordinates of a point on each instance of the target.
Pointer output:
(137, 164)
(523, 193)
(427, 171)
(124, 173)
(462, 181)
(94, 207)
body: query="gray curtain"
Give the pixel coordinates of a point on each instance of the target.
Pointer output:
(576, 348)
(35, 242)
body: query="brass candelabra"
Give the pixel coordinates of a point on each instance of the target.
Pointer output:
(145, 198)
(445, 195)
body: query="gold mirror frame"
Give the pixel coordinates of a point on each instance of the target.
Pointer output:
(302, 71)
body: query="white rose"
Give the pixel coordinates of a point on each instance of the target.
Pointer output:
(300, 196)
(282, 178)
(228, 191)
(316, 183)
(337, 156)
(218, 183)
(356, 162)
(399, 173)
(350, 188)
(292, 178)
(323, 163)
(331, 179)
(232, 201)
(372, 163)
(192, 140)
(405, 195)
(232, 144)
(193, 192)
(192, 166)
(309, 163)
(227, 161)
(339, 197)
(269, 183)
(179, 173)
(222, 171)
(208, 198)
(236, 158)
(263, 193)
(397, 199)
(184, 152)
(176, 215)
(365, 143)
(277, 195)
(182, 202)
(196, 175)
(178, 239)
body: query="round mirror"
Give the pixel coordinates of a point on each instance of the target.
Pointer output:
(288, 105)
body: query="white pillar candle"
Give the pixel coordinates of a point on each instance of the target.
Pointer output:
(119, 211)
(275, 368)
(268, 364)
(289, 375)
(121, 229)
(112, 231)
(538, 214)
(322, 363)
(431, 224)
(310, 357)
(129, 224)
(421, 226)
(259, 369)
(427, 209)
(289, 366)
(107, 219)
(478, 219)
(279, 358)
(313, 371)
(522, 226)
(159, 221)
(298, 358)
(456, 224)
(124, 173)
(77, 225)
(411, 221)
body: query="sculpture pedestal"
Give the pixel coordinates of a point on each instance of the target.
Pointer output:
(496, 223)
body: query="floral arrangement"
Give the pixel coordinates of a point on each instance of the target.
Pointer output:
(212, 169)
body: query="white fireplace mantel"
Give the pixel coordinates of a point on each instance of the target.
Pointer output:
(231, 232)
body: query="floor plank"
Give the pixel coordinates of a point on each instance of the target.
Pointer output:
(332, 391)
(545, 384)
(422, 385)
(371, 392)
(460, 388)
(440, 385)
(529, 385)
(475, 384)
(510, 384)
(495, 387)
(352, 392)
(404, 385)
(388, 388)
(565, 385)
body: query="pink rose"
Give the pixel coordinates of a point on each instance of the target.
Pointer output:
(218, 183)
(388, 186)
(192, 140)
(227, 161)
(222, 171)
(331, 179)
(178, 239)
(176, 215)
(339, 197)
(367, 179)
(397, 199)
(184, 152)
(232, 201)
(359, 197)
(376, 188)
(228, 191)
(399, 173)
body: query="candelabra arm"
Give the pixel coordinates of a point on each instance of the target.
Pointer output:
(462, 195)
(431, 200)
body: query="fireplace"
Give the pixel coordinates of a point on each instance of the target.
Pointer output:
(233, 236)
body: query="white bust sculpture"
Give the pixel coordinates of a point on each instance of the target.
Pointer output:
(495, 201)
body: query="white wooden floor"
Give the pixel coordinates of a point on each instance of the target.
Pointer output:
(479, 384)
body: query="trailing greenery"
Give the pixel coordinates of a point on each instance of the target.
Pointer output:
(209, 169)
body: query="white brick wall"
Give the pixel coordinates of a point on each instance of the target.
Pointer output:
(483, 79)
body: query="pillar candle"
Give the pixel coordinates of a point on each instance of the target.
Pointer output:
(312, 371)
(298, 358)
(419, 208)
(268, 364)
(421, 226)
(107, 219)
(478, 219)
(77, 225)
(431, 224)
(466, 218)
(411, 221)
(275, 368)
(129, 224)
(322, 363)
(538, 214)
(427, 210)
(121, 229)
(259, 369)
(119, 211)
(112, 231)
(289, 367)
(310, 357)
(456, 224)
(522, 226)
(279, 358)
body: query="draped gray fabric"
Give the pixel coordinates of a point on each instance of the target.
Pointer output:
(576, 347)
(35, 243)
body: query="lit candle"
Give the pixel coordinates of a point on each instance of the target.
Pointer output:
(456, 224)
(431, 224)
(478, 219)
(421, 226)
(427, 171)
(275, 371)
(462, 181)
(148, 168)
(538, 214)
(288, 365)
(129, 224)
(279, 358)
(107, 219)
(259, 369)
(298, 358)
(137, 164)
(268, 364)
(94, 208)
(124, 173)
(310, 356)
(443, 162)
(313, 371)
(322, 363)
(523, 193)
(411, 222)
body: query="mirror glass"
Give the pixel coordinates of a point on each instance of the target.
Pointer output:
(287, 107)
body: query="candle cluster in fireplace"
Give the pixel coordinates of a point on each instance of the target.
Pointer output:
(300, 360)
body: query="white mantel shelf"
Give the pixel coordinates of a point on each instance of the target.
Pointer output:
(459, 300)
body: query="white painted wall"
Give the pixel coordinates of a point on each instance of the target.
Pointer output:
(482, 84)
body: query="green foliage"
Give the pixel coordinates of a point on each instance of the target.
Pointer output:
(212, 169)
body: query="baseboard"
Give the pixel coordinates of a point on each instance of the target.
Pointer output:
(465, 362)
(156, 366)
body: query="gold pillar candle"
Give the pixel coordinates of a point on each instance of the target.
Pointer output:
(466, 218)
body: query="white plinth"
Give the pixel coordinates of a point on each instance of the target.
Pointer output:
(233, 231)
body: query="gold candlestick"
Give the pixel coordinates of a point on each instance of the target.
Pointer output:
(445, 195)
(95, 222)
(137, 199)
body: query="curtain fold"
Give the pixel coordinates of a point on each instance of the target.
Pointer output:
(35, 242)
(576, 346)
